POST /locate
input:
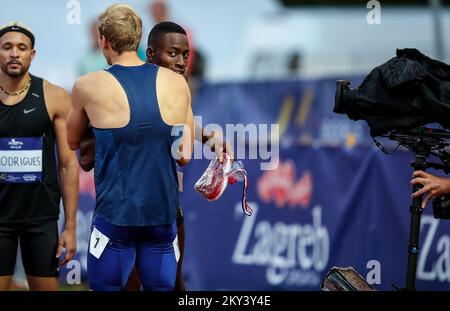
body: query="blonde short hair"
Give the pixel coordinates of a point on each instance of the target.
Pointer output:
(122, 26)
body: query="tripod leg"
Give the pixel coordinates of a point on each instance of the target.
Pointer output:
(416, 214)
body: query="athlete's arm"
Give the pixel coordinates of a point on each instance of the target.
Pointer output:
(174, 100)
(77, 121)
(187, 140)
(59, 104)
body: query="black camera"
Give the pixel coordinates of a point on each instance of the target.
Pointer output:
(441, 207)
(406, 92)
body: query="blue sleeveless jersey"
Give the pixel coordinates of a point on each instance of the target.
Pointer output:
(135, 174)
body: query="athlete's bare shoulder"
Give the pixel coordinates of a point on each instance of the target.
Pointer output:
(173, 94)
(171, 79)
(52, 91)
(172, 85)
(92, 81)
(56, 98)
(93, 86)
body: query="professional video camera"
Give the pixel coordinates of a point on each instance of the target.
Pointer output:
(396, 99)
(408, 91)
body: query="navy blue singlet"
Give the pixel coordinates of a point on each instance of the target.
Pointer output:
(137, 192)
(135, 175)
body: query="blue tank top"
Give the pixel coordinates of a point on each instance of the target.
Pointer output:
(135, 174)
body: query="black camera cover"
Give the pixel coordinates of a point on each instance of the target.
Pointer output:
(408, 91)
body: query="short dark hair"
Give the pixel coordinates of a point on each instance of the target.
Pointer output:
(161, 29)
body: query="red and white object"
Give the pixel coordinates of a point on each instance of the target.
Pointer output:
(218, 175)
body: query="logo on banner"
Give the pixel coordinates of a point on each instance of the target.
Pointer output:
(434, 262)
(294, 254)
(283, 188)
(334, 130)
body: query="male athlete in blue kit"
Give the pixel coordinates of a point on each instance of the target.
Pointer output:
(167, 46)
(133, 108)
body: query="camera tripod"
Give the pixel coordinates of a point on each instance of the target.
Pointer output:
(423, 142)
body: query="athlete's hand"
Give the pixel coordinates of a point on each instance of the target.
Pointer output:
(228, 149)
(87, 151)
(433, 186)
(68, 241)
(220, 147)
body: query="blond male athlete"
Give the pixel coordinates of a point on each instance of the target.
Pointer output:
(136, 110)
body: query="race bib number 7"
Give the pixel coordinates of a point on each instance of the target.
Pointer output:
(20, 159)
(97, 243)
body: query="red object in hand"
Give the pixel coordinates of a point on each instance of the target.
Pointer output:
(231, 180)
(213, 182)
(215, 179)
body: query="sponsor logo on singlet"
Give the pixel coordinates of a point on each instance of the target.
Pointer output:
(20, 159)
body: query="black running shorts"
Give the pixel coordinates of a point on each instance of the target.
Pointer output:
(38, 244)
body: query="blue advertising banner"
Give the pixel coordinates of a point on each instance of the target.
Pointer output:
(321, 207)
(303, 110)
(332, 200)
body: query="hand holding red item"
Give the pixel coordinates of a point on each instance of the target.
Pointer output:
(215, 179)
